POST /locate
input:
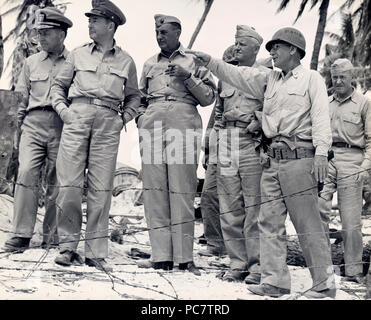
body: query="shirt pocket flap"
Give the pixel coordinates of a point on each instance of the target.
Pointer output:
(153, 73)
(86, 66)
(352, 118)
(227, 93)
(117, 72)
(39, 77)
(296, 91)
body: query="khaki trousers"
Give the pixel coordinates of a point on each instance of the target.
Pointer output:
(89, 141)
(239, 174)
(41, 133)
(343, 178)
(289, 186)
(170, 139)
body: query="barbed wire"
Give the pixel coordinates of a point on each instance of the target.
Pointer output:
(113, 278)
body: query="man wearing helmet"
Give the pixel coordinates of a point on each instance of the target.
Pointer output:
(296, 125)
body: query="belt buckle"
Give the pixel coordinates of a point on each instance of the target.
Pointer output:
(277, 154)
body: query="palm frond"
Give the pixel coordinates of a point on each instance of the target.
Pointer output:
(301, 9)
(283, 5)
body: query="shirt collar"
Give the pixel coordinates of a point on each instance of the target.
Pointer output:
(94, 45)
(352, 97)
(180, 50)
(64, 54)
(294, 72)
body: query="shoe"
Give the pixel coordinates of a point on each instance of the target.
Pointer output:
(45, 245)
(358, 279)
(164, 265)
(191, 267)
(253, 278)
(17, 244)
(98, 263)
(67, 258)
(327, 293)
(211, 253)
(202, 239)
(234, 275)
(266, 289)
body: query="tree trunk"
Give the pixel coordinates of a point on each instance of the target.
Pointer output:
(1, 49)
(319, 35)
(9, 101)
(209, 3)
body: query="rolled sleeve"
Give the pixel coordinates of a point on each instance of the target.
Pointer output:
(367, 122)
(23, 86)
(132, 95)
(320, 114)
(59, 88)
(201, 86)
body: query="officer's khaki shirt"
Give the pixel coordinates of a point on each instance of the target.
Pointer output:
(351, 122)
(295, 105)
(88, 72)
(154, 83)
(36, 79)
(233, 104)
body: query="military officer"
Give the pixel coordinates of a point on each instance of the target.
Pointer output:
(172, 87)
(296, 125)
(209, 197)
(350, 113)
(239, 192)
(96, 77)
(41, 129)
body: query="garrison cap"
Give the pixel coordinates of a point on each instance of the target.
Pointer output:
(247, 31)
(108, 10)
(161, 19)
(228, 55)
(51, 17)
(341, 65)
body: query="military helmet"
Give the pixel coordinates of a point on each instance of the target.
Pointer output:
(291, 36)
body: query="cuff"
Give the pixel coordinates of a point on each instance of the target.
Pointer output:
(322, 151)
(60, 107)
(127, 117)
(191, 82)
(366, 164)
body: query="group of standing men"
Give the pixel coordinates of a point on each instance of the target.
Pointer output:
(272, 136)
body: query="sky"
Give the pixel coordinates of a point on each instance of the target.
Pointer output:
(137, 36)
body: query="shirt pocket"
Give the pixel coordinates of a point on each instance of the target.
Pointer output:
(227, 95)
(39, 84)
(296, 99)
(155, 80)
(352, 123)
(270, 101)
(86, 76)
(114, 82)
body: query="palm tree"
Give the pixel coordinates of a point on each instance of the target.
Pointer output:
(25, 21)
(208, 4)
(1, 48)
(353, 43)
(323, 8)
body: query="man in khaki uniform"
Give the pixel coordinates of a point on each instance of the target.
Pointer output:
(296, 123)
(96, 77)
(170, 127)
(239, 189)
(210, 208)
(41, 130)
(350, 113)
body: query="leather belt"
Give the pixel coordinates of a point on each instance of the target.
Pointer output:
(41, 108)
(237, 123)
(286, 153)
(344, 145)
(98, 102)
(170, 98)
